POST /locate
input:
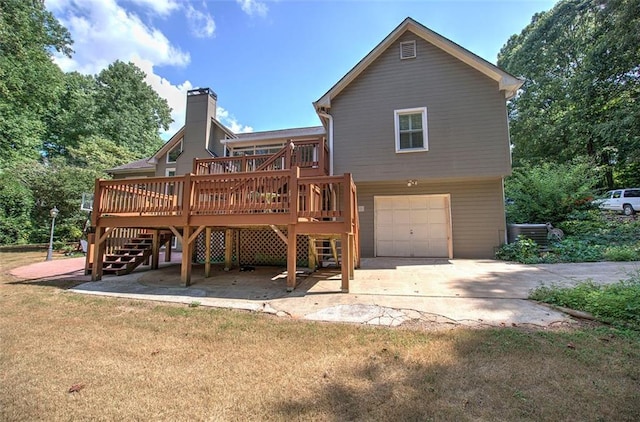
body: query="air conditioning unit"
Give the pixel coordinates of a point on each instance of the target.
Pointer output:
(535, 232)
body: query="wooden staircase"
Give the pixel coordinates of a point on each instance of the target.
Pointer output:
(326, 251)
(135, 252)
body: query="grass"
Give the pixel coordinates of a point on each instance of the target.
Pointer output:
(617, 304)
(137, 360)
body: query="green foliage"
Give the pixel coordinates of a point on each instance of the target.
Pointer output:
(617, 304)
(549, 192)
(130, 111)
(595, 237)
(582, 80)
(16, 202)
(523, 250)
(622, 253)
(576, 250)
(58, 132)
(29, 80)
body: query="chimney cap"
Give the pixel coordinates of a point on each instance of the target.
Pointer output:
(202, 91)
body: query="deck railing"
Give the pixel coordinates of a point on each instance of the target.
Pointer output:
(312, 156)
(253, 198)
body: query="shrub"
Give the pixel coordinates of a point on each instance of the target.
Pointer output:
(574, 250)
(617, 304)
(622, 253)
(549, 192)
(523, 250)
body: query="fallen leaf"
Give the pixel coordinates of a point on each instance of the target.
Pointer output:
(75, 388)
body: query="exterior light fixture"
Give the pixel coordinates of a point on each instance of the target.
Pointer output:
(53, 212)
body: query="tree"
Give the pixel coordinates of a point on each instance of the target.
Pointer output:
(29, 80)
(549, 192)
(16, 202)
(580, 62)
(130, 112)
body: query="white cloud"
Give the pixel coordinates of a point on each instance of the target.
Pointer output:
(253, 7)
(201, 24)
(176, 95)
(230, 121)
(104, 31)
(161, 7)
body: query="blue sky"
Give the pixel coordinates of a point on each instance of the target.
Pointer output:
(266, 60)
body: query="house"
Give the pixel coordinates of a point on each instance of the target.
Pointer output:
(418, 128)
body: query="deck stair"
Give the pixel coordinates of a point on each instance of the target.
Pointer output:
(326, 250)
(132, 254)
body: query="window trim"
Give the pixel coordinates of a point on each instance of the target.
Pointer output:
(425, 129)
(181, 150)
(411, 43)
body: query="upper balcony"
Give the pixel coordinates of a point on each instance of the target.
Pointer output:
(318, 204)
(311, 156)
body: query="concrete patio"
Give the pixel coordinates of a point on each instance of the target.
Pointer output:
(385, 291)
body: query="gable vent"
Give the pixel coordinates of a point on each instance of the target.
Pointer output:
(407, 50)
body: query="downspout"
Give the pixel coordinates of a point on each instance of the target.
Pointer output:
(330, 130)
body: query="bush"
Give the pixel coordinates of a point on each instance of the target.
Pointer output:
(617, 304)
(622, 253)
(523, 250)
(577, 250)
(549, 192)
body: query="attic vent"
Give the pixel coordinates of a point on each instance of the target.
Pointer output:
(407, 50)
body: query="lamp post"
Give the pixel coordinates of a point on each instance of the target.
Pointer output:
(53, 212)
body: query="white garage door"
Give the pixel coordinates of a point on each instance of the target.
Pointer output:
(412, 226)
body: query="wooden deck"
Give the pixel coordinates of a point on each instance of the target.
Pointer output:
(223, 194)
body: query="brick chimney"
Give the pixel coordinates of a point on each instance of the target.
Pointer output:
(201, 107)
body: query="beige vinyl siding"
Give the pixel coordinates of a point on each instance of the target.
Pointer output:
(214, 140)
(132, 174)
(467, 121)
(477, 213)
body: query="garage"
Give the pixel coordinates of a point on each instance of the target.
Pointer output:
(413, 226)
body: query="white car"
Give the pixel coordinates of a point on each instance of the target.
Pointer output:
(625, 200)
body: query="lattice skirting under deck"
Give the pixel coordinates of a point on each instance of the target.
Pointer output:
(252, 247)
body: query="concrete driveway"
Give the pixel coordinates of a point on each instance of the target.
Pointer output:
(385, 291)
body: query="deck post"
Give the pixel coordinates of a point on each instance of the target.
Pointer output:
(187, 252)
(98, 254)
(291, 257)
(89, 259)
(313, 262)
(351, 257)
(228, 249)
(155, 250)
(167, 249)
(344, 264)
(207, 252)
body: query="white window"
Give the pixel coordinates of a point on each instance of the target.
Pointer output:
(411, 130)
(173, 155)
(169, 188)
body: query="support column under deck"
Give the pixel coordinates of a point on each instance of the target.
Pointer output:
(207, 252)
(291, 257)
(187, 253)
(345, 265)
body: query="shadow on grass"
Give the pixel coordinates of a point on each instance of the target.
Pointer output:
(60, 283)
(491, 374)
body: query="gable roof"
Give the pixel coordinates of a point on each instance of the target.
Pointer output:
(173, 141)
(134, 166)
(271, 135)
(506, 82)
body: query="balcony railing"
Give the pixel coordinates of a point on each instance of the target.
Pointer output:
(261, 197)
(311, 156)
